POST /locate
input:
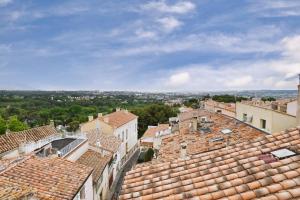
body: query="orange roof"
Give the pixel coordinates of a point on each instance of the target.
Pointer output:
(51, 178)
(14, 191)
(234, 172)
(107, 142)
(150, 132)
(118, 118)
(96, 161)
(13, 140)
(199, 142)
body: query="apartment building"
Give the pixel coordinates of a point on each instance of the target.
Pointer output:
(121, 124)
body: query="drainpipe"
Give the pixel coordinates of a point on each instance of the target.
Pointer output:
(298, 104)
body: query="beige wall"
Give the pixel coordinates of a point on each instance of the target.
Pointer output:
(275, 121)
(92, 125)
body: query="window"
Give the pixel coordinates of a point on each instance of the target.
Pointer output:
(119, 136)
(263, 124)
(126, 134)
(122, 136)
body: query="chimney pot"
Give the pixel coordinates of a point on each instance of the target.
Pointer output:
(183, 154)
(100, 114)
(91, 118)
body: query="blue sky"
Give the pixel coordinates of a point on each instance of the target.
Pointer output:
(164, 45)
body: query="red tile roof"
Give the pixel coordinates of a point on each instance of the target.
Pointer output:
(51, 178)
(118, 118)
(13, 140)
(96, 161)
(199, 142)
(150, 132)
(107, 142)
(234, 172)
(14, 191)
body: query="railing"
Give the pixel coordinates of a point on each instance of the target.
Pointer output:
(64, 151)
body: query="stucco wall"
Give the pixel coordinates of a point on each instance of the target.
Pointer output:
(275, 121)
(92, 125)
(78, 152)
(132, 138)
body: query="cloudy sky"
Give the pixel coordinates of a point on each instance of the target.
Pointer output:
(154, 45)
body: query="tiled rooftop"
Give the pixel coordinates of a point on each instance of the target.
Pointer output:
(13, 140)
(107, 142)
(118, 118)
(198, 142)
(14, 191)
(150, 132)
(96, 161)
(50, 178)
(233, 172)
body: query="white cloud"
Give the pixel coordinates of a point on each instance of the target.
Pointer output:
(178, 79)
(140, 33)
(181, 7)
(169, 23)
(205, 43)
(5, 2)
(239, 82)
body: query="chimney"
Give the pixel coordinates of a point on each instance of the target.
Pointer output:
(118, 109)
(183, 151)
(91, 118)
(298, 104)
(106, 119)
(98, 143)
(100, 114)
(51, 123)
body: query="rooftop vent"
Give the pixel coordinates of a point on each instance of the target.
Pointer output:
(205, 130)
(283, 153)
(216, 139)
(226, 131)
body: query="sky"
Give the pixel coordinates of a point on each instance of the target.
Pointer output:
(154, 45)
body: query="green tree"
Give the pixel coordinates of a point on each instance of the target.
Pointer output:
(268, 99)
(149, 155)
(2, 126)
(16, 125)
(73, 126)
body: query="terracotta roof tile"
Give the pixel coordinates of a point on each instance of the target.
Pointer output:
(50, 178)
(96, 161)
(234, 172)
(118, 118)
(107, 142)
(13, 140)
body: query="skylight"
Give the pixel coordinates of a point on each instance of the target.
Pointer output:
(283, 153)
(226, 131)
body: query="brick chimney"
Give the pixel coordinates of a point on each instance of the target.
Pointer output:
(298, 104)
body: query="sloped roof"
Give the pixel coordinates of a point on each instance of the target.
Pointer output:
(199, 142)
(150, 132)
(118, 118)
(51, 178)
(13, 191)
(107, 142)
(235, 172)
(96, 161)
(14, 139)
